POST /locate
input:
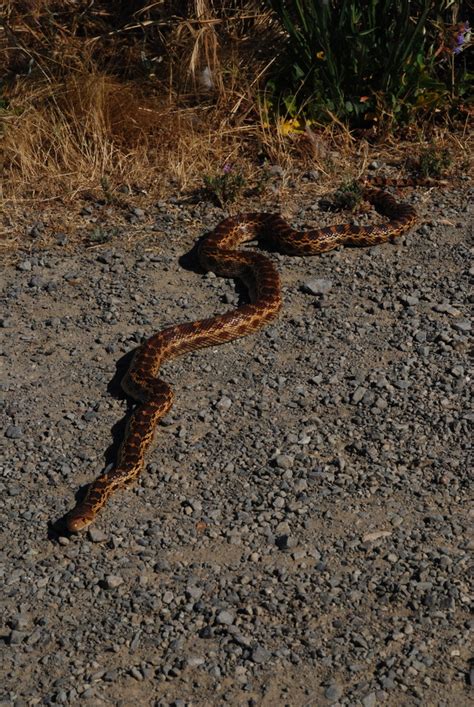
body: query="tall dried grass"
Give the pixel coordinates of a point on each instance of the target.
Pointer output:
(131, 94)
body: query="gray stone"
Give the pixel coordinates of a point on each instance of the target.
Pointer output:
(17, 637)
(225, 617)
(463, 325)
(260, 654)
(25, 266)
(14, 432)
(276, 169)
(224, 403)
(318, 286)
(409, 300)
(168, 597)
(333, 692)
(284, 461)
(96, 535)
(358, 394)
(112, 581)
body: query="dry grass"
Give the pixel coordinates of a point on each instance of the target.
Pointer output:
(92, 113)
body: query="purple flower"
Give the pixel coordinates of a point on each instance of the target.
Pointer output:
(227, 168)
(462, 37)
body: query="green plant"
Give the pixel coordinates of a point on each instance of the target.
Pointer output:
(347, 197)
(433, 162)
(100, 235)
(226, 186)
(106, 189)
(362, 61)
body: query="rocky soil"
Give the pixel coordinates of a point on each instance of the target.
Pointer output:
(300, 536)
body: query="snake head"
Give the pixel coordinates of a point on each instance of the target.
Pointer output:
(79, 519)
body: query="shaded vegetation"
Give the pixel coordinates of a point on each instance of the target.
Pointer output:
(156, 96)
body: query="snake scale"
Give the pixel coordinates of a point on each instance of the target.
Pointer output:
(218, 252)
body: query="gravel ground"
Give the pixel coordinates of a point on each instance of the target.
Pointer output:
(300, 536)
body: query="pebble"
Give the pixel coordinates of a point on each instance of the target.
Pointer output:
(17, 637)
(24, 266)
(376, 535)
(168, 597)
(318, 286)
(463, 325)
(313, 175)
(225, 617)
(284, 461)
(276, 169)
(409, 300)
(113, 581)
(96, 535)
(358, 394)
(260, 655)
(333, 692)
(14, 432)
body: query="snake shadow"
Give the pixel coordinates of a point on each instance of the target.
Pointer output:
(58, 527)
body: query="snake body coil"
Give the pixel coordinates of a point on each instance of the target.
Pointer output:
(217, 253)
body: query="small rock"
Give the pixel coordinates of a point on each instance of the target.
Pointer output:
(194, 661)
(369, 700)
(333, 692)
(260, 655)
(464, 325)
(14, 432)
(409, 300)
(25, 266)
(284, 461)
(358, 394)
(96, 535)
(225, 617)
(17, 637)
(376, 535)
(224, 403)
(112, 581)
(286, 542)
(194, 592)
(318, 286)
(21, 622)
(276, 169)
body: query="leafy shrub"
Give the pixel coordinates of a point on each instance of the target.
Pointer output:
(226, 186)
(362, 61)
(432, 161)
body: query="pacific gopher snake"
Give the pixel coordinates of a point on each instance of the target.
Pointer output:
(217, 252)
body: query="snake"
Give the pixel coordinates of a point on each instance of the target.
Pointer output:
(219, 252)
